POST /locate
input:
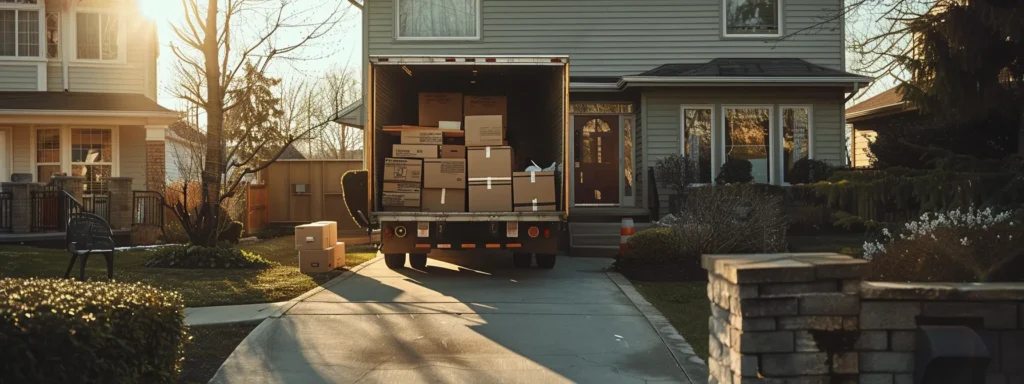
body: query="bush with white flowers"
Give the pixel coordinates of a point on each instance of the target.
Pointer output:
(960, 245)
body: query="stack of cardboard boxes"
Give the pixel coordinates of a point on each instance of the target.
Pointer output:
(434, 173)
(318, 246)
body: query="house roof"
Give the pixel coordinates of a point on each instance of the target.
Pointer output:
(292, 153)
(81, 101)
(352, 115)
(744, 71)
(885, 103)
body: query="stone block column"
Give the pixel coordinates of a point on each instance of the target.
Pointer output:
(783, 318)
(72, 184)
(121, 202)
(156, 171)
(21, 205)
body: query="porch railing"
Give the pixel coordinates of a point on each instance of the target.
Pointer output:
(147, 209)
(6, 214)
(97, 204)
(50, 208)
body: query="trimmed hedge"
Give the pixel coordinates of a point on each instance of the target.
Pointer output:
(197, 257)
(66, 331)
(653, 245)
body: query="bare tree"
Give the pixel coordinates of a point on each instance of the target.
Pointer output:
(223, 42)
(306, 102)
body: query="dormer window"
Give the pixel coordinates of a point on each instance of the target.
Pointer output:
(438, 19)
(752, 18)
(20, 32)
(98, 36)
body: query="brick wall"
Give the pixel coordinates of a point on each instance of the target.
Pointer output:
(156, 170)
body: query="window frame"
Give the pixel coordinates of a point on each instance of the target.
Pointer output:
(773, 128)
(781, 136)
(122, 36)
(65, 148)
(60, 35)
(40, 8)
(71, 157)
(781, 20)
(479, 27)
(714, 136)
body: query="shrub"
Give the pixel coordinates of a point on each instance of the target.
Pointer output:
(65, 331)
(955, 246)
(809, 171)
(735, 170)
(174, 233)
(231, 233)
(194, 256)
(653, 245)
(675, 171)
(731, 219)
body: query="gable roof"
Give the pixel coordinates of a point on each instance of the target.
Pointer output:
(741, 71)
(885, 103)
(81, 101)
(292, 153)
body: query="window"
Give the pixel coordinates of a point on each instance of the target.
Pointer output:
(19, 28)
(747, 133)
(438, 19)
(796, 137)
(696, 140)
(752, 18)
(52, 35)
(47, 153)
(92, 157)
(98, 36)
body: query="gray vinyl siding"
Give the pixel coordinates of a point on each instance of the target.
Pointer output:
(19, 77)
(54, 78)
(661, 126)
(21, 146)
(614, 38)
(133, 155)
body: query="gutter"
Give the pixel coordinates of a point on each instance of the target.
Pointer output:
(743, 80)
(856, 90)
(50, 112)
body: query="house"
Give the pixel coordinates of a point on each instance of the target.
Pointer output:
(79, 121)
(763, 80)
(867, 117)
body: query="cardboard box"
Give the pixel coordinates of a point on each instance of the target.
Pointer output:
(453, 151)
(317, 261)
(490, 194)
(533, 191)
(410, 170)
(484, 130)
(339, 254)
(332, 230)
(444, 173)
(314, 236)
(487, 105)
(422, 136)
(444, 200)
(435, 107)
(419, 151)
(402, 187)
(488, 162)
(401, 201)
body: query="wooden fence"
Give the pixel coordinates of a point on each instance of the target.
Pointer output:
(303, 191)
(256, 208)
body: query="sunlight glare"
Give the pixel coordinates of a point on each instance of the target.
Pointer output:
(161, 11)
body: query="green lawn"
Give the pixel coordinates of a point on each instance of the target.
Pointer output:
(200, 287)
(685, 304)
(208, 347)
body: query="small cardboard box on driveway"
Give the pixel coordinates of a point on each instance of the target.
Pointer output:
(444, 200)
(314, 236)
(317, 261)
(339, 254)
(435, 107)
(332, 230)
(533, 191)
(488, 161)
(408, 170)
(484, 130)
(444, 173)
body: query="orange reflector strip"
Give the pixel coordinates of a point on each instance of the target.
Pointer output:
(444, 246)
(492, 246)
(468, 246)
(422, 245)
(513, 246)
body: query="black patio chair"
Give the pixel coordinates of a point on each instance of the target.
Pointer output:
(87, 234)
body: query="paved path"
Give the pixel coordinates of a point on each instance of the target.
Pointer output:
(227, 314)
(470, 319)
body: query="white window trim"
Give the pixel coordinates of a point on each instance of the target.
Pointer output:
(725, 26)
(714, 137)
(477, 37)
(9, 150)
(810, 136)
(60, 37)
(122, 36)
(65, 147)
(772, 132)
(41, 9)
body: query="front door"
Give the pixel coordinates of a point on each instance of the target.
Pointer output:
(596, 150)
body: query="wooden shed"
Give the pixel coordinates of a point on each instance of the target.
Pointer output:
(303, 191)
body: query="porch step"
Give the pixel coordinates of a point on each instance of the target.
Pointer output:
(602, 237)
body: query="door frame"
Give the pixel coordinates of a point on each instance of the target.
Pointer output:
(623, 200)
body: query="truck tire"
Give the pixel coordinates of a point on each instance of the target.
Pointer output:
(395, 260)
(545, 261)
(522, 260)
(418, 261)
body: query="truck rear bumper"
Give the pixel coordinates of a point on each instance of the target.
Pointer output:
(421, 233)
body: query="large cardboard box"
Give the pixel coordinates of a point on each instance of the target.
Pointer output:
(533, 191)
(410, 170)
(401, 196)
(317, 261)
(444, 173)
(444, 200)
(484, 130)
(403, 187)
(339, 254)
(419, 151)
(488, 162)
(435, 107)
(490, 194)
(487, 105)
(422, 136)
(314, 236)
(332, 230)
(453, 151)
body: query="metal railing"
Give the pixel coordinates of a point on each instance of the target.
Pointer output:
(6, 214)
(147, 209)
(50, 208)
(97, 204)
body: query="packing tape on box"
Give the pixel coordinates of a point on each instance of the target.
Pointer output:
(487, 153)
(533, 180)
(309, 239)
(488, 179)
(442, 195)
(535, 205)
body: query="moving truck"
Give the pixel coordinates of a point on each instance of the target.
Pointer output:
(536, 131)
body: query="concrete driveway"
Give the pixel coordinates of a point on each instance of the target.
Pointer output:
(471, 318)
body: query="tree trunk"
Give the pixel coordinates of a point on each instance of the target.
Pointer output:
(206, 233)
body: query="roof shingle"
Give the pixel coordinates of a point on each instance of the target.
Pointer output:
(80, 101)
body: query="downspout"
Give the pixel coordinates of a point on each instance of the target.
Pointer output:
(856, 89)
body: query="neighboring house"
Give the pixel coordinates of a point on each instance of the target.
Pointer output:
(869, 116)
(78, 106)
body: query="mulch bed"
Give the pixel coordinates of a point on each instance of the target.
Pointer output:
(663, 272)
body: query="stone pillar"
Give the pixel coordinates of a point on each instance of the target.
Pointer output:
(787, 317)
(121, 202)
(71, 184)
(156, 171)
(21, 205)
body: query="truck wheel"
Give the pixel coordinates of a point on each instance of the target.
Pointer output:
(418, 261)
(522, 260)
(546, 261)
(395, 260)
